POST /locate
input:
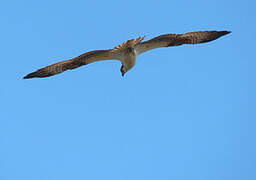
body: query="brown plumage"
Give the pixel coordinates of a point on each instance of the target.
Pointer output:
(167, 40)
(128, 51)
(81, 60)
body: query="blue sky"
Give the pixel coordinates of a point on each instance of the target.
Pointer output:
(183, 113)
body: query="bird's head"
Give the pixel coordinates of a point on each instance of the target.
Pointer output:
(123, 70)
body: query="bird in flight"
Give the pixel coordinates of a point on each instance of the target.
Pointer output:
(127, 52)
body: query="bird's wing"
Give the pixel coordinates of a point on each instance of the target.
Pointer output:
(73, 63)
(167, 40)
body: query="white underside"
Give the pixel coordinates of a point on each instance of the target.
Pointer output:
(129, 60)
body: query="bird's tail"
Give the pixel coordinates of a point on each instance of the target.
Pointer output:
(129, 43)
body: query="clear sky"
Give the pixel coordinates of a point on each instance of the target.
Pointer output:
(183, 113)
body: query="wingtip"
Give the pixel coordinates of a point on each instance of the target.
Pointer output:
(25, 77)
(225, 32)
(29, 76)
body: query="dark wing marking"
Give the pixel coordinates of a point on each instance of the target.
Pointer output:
(81, 60)
(167, 40)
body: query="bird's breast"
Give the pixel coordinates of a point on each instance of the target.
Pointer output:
(129, 59)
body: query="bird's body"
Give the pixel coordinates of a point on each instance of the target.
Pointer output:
(128, 60)
(128, 52)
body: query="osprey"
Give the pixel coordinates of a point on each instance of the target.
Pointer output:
(127, 52)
